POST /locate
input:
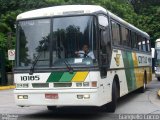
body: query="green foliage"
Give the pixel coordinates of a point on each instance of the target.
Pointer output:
(3, 41)
(144, 14)
(149, 17)
(4, 28)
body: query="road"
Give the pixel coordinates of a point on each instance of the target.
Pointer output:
(134, 103)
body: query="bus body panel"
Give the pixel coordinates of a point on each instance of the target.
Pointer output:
(128, 66)
(67, 95)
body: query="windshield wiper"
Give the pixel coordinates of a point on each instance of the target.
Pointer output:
(42, 46)
(69, 67)
(34, 63)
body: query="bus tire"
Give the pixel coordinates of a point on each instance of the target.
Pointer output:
(51, 108)
(158, 78)
(143, 88)
(111, 107)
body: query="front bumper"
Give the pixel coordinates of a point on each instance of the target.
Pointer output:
(66, 97)
(157, 74)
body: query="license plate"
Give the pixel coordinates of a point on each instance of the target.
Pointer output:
(51, 96)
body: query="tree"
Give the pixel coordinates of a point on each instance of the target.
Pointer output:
(144, 14)
(149, 17)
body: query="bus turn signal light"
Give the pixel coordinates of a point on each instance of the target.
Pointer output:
(83, 96)
(94, 84)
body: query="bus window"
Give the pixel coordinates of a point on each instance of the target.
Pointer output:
(129, 38)
(115, 33)
(105, 44)
(134, 40)
(139, 43)
(125, 36)
(34, 42)
(144, 44)
(148, 45)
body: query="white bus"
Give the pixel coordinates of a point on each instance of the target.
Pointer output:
(157, 59)
(78, 55)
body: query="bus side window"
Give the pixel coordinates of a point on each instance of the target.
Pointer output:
(148, 45)
(144, 44)
(125, 36)
(139, 43)
(134, 40)
(129, 39)
(115, 33)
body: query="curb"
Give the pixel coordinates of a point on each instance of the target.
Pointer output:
(7, 87)
(159, 93)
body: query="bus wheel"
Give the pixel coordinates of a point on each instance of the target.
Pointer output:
(143, 88)
(158, 78)
(111, 107)
(52, 108)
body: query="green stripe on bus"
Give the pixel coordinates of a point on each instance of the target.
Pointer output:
(130, 76)
(55, 77)
(67, 77)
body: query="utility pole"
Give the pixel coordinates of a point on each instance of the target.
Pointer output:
(11, 51)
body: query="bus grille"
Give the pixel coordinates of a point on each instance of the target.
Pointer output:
(40, 85)
(62, 84)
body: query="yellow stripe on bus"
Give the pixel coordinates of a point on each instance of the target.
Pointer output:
(80, 77)
(135, 60)
(139, 72)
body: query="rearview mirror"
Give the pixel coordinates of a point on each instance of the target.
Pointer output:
(103, 21)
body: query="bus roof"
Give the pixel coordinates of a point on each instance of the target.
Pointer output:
(60, 10)
(73, 9)
(158, 40)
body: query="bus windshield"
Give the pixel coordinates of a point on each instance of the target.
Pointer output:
(70, 36)
(67, 39)
(157, 56)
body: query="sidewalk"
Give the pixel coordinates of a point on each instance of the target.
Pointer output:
(7, 87)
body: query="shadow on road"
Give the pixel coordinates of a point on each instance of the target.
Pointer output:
(69, 113)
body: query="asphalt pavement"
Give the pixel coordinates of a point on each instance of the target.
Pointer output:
(147, 103)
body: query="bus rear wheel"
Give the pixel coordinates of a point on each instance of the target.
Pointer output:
(143, 88)
(111, 107)
(158, 78)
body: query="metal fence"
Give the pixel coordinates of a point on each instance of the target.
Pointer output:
(3, 76)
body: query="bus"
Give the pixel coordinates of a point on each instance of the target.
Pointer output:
(78, 55)
(157, 59)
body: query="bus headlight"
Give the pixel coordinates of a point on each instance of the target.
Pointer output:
(83, 96)
(20, 85)
(86, 96)
(86, 84)
(155, 68)
(80, 96)
(25, 85)
(22, 96)
(78, 84)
